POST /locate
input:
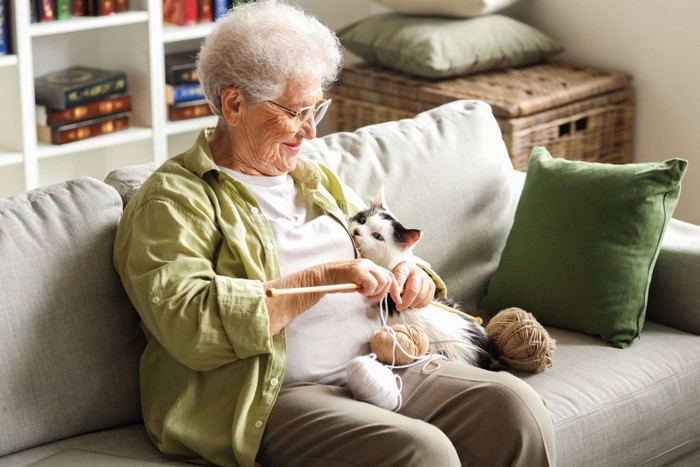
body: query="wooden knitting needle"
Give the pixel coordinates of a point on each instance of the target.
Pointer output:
(272, 292)
(315, 289)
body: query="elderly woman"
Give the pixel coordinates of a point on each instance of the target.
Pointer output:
(232, 377)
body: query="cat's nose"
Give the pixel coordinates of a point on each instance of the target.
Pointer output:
(356, 232)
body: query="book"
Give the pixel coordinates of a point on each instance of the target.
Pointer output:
(190, 109)
(4, 24)
(46, 10)
(80, 7)
(121, 6)
(71, 132)
(66, 88)
(64, 9)
(110, 105)
(180, 12)
(220, 8)
(100, 7)
(206, 11)
(181, 67)
(176, 93)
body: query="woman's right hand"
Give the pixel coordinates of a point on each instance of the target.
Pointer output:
(374, 283)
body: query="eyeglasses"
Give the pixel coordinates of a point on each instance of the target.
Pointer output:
(317, 112)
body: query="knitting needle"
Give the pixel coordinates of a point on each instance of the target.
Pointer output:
(272, 292)
(317, 289)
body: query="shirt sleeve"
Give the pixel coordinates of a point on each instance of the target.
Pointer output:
(165, 254)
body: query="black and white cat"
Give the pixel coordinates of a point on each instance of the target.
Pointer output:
(381, 238)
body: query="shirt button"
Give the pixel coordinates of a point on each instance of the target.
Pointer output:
(155, 300)
(258, 424)
(255, 210)
(274, 382)
(269, 246)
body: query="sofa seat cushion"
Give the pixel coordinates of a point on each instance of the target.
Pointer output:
(623, 398)
(70, 337)
(127, 441)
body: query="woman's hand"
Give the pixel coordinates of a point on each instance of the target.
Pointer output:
(375, 283)
(418, 288)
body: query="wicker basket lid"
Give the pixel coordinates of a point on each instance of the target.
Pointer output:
(512, 92)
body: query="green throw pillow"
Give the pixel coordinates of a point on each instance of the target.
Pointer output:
(584, 242)
(437, 47)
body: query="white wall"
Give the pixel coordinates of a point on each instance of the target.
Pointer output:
(657, 42)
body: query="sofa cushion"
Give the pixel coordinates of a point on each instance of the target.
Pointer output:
(70, 338)
(446, 172)
(437, 48)
(126, 441)
(459, 8)
(584, 242)
(611, 407)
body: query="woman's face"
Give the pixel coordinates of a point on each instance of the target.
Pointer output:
(268, 139)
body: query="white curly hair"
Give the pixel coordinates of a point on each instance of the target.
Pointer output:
(261, 46)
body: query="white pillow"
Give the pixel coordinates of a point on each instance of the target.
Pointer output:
(447, 172)
(460, 8)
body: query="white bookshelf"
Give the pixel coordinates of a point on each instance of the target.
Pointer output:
(135, 42)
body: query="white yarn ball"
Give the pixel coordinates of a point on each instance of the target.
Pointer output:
(372, 382)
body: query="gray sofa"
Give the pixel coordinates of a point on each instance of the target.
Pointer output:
(71, 340)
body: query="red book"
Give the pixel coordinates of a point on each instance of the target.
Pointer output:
(80, 7)
(46, 10)
(121, 6)
(180, 12)
(206, 11)
(187, 110)
(101, 7)
(86, 129)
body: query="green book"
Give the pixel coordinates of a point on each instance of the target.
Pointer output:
(66, 88)
(64, 9)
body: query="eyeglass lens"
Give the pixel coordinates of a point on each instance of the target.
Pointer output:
(317, 113)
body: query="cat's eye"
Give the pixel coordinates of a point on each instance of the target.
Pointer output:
(378, 236)
(362, 219)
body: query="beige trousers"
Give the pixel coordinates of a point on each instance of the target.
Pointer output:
(457, 415)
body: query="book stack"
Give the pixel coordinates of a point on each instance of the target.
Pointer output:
(4, 23)
(188, 12)
(51, 10)
(183, 93)
(81, 102)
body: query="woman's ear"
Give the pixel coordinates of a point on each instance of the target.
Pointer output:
(231, 105)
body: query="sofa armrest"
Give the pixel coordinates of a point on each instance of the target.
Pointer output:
(674, 294)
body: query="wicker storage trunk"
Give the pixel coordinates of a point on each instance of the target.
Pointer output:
(577, 112)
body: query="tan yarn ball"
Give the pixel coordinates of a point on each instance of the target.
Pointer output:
(411, 338)
(523, 344)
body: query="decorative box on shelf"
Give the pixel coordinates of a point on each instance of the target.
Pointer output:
(577, 112)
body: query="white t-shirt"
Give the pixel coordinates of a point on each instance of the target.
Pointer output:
(322, 340)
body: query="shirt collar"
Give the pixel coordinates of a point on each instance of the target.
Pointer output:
(199, 160)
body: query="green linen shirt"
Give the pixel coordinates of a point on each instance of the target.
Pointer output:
(192, 250)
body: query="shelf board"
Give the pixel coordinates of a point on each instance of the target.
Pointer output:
(85, 23)
(10, 158)
(173, 33)
(45, 151)
(8, 60)
(192, 124)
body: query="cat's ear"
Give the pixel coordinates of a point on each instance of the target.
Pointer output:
(408, 237)
(380, 201)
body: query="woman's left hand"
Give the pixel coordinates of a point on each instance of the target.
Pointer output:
(418, 288)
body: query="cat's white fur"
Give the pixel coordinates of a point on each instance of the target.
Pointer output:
(374, 238)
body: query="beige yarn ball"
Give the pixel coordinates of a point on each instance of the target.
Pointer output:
(521, 341)
(411, 338)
